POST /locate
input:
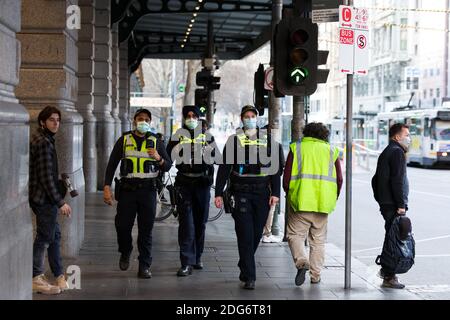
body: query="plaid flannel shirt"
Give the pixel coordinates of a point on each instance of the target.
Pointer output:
(43, 186)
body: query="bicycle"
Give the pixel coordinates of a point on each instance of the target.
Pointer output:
(165, 208)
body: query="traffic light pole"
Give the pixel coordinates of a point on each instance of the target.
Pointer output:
(209, 55)
(297, 124)
(348, 178)
(274, 102)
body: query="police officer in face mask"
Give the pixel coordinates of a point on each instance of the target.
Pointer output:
(253, 163)
(142, 156)
(193, 149)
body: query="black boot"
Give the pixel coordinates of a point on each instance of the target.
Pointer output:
(249, 285)
(144, 273)
(184, 271)
(124, 261)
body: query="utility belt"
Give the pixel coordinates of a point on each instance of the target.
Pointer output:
(250, 187)
(188, 178)
(133, 184)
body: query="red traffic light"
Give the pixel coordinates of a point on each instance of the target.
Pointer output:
(299, 37)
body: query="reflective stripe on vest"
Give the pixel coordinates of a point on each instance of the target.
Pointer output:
(300, 175)
(200, 139)
(245, 141)
(313, 186)
(138, 157)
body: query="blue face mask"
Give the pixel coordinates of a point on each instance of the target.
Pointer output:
(249, 123)
(191, 123)
(142, 127)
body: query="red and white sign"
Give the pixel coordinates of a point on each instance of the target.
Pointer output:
(268, 79)
(346, 43)
(345, 17)
(361, 61)
(353, 40)
(361, 19)
(346, 36)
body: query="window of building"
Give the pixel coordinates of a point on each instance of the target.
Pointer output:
(438, 92)
(416, 49)
(424, 94)
(431, 72)
(403, 40)
(431, 93)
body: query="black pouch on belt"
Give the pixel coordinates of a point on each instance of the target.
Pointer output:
(117, 188)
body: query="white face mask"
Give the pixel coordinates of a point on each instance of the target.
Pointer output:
(249, 123)
(406, 141)
(191, 123)
(142, 127)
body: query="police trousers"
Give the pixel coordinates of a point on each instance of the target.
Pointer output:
(140, 202)
(250, 216)
(193, 215)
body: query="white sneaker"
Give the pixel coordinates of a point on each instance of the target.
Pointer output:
(266, 239)
(275, 239)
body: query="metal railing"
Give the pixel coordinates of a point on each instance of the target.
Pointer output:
(361, 151)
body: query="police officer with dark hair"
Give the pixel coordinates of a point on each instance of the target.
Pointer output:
(252, 162)
(193, 148)
(142, 156)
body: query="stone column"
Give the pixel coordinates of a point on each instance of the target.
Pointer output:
(48, 77)
(103, 88)
(16, 231)
(115, 80)
(85, 104)
(124, 91)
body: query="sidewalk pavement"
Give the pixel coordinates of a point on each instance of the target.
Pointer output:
(101, 277)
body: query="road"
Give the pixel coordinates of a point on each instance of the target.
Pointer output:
(429, 210)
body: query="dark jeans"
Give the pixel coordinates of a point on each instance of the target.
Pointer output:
(143, 203)
(389, 213)
(48, 237)
(193, 216)
(250, 216)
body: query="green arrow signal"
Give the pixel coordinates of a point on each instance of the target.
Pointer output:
(202, 109)
(298, 75)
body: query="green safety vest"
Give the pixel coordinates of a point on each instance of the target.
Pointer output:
(138, 157)
(313, 186)
(244, 140)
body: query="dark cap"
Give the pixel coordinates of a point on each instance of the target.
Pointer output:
(249, 108)
(142, 111)
(194, 109)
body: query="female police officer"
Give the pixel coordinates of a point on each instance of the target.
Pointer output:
(194, 180)
(252, 162)
(142, 157)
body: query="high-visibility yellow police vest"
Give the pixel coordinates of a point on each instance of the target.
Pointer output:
(313, 185)
(141, 161)
(244, 140)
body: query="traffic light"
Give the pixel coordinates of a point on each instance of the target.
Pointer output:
(202, 101)
(297, 57)
(261, 95)
(206, 79)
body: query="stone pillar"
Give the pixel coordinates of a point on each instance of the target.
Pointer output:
(16, 231)
(124, 91)
(85, 104)
(102, 88)
(115, 80)
(48, 77)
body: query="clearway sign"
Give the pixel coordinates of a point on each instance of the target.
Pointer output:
(353, 40)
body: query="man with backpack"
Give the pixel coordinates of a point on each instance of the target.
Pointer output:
(390, 187)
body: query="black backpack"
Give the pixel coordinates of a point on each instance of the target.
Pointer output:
(398, 251)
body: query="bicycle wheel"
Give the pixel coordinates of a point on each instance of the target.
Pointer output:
(163, 206)
(214, 213)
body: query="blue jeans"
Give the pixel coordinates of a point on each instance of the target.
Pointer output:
(48, 236)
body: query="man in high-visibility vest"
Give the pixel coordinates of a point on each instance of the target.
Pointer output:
(312, 179)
